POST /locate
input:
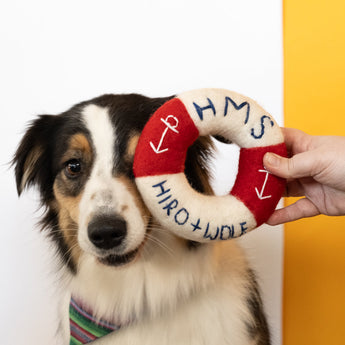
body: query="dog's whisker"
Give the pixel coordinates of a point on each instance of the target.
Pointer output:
(160, 243)
(71, 248)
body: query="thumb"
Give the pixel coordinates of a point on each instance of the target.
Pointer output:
(300, 165)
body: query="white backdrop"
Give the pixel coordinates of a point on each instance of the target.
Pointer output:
(54, 54)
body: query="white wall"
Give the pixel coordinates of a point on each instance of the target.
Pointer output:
(54, 54)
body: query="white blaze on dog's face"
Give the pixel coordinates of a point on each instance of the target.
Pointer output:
(112, 225)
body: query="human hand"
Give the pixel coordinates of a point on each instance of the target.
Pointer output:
(316, 170)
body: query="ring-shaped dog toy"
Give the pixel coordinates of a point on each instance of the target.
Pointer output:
(160, 156)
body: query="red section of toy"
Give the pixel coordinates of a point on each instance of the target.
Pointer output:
(254, 186)
(164, 142)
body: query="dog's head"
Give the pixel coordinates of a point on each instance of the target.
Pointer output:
(81, 161)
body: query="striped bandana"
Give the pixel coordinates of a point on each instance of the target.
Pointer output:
(84, 327)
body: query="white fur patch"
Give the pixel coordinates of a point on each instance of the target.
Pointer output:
(104, 193)
(170, 295)
(103, 139)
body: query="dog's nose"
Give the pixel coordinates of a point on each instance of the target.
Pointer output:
(107, 232)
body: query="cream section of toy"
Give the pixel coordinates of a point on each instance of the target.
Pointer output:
(177, 206)
(235, 117)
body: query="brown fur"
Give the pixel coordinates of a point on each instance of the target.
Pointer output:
(132, 144)
(67, 205)
(133, 189)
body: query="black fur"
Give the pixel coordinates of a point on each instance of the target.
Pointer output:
(259, 330)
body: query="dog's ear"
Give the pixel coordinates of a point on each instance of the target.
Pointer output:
(31, 161)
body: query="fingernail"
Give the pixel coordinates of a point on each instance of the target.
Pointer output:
(272, 159)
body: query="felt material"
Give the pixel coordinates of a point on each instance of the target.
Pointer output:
(160, 160)
(193, 215)
(163, 145)
(259, 190)
(84, 327)
(233, 116)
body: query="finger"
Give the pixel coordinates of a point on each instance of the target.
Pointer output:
(301, 165)
(302, 208)
(296, 140)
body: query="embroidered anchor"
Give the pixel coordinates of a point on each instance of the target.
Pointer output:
(168, 126)
(261, 193)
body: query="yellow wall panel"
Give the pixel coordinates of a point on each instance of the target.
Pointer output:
(314, 95)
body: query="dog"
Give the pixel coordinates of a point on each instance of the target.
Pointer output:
(120, 269)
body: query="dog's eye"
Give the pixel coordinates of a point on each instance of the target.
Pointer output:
(73, 168)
